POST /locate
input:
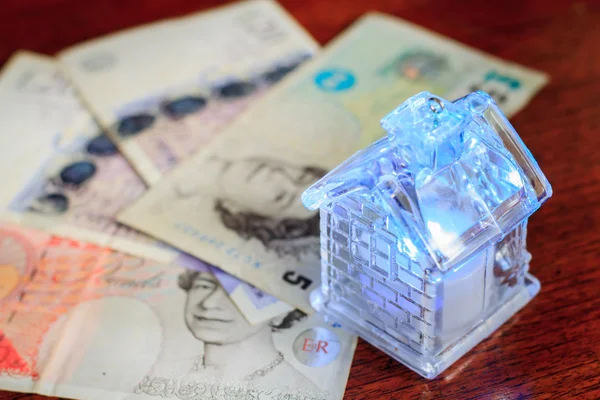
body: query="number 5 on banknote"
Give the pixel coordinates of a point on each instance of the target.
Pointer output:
(293, 278)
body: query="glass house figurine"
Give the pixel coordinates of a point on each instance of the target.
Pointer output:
(423, 233)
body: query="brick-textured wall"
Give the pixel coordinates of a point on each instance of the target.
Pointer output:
(371, 271)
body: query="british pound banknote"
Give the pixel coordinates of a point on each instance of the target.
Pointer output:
(62, 172)
(164, 90)
(82, 321)
(68, 178)
(236, 203)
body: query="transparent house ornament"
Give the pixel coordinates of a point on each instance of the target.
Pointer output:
(423, 232)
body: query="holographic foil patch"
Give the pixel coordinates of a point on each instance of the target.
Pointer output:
(316, 347)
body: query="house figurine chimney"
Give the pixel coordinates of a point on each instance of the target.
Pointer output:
(423, 249)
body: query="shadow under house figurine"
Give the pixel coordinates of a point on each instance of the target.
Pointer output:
(423, 232)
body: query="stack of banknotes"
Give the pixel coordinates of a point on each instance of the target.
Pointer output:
(152, 243)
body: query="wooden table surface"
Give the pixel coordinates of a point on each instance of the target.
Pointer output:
(549, 350)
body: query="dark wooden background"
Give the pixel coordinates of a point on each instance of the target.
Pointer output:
(551, 349)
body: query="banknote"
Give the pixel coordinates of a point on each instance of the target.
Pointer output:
(61, 171)
(68, 177)
(236, 203)
(164, 90)
(256, 305)
(82, 321)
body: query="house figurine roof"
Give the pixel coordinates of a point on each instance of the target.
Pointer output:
(454, 173)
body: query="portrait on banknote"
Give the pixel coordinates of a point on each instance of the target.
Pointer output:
(256, 198)
(214, 320)
(91, 322)
(241, 203)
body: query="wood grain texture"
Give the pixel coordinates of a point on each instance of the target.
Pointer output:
(549, 350)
